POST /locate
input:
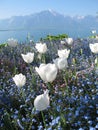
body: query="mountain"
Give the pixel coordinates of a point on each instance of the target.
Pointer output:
(51, 20)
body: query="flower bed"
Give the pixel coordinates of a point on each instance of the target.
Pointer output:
(40, 90)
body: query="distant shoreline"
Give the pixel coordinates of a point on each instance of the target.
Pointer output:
(22, 34)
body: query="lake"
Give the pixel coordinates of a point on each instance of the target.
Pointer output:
(21, 35)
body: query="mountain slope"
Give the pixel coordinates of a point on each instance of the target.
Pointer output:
(50, 20)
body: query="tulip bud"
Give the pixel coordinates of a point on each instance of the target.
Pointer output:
(28, 58)
(41, 102)
(61, 63)
(12, 42)
(47, 72)
(63, 42)
(63, 53)
(69, 41)
(94, 48)
(19, 80)
(41, 48)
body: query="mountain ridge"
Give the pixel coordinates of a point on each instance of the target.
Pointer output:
(51, 20)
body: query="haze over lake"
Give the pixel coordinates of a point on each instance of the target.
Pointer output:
(21, 35)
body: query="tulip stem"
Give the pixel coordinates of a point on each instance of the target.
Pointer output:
(33, 76)
(22, 93)
(43, 119)
(97, 61)
(31, 116)
(50, 87)
(43, 58)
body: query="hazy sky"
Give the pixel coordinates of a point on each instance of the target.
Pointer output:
(10, 8)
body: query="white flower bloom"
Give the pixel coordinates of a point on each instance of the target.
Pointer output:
(42, 101)
(96, 61)
(96, 37)
(63, 53)
(69, 40)
(19, 80)
(12, 42)
(94, 48)
(93, 31)
(28, 58)
(47, 72)
(63, 42)
(61, 63)
(31, 41)
(41, 47)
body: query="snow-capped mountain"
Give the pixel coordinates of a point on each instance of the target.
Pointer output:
(50, 19)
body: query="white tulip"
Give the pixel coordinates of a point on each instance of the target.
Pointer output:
(94, 48)
(41, 47)
(28, 58)
(96, 37)
(63, 42)
(31, 41)
(12, 42)
(93, 31)
(19, 80)
(61, 63)
(42, 101)
(69, 40)
(47, 72)
(63, 53)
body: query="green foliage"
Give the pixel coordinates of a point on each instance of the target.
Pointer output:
(92, 36)
(3, 45)
(7, 121)
(55, 38)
